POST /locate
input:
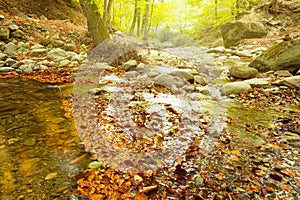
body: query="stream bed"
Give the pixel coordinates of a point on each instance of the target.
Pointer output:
(40, 150)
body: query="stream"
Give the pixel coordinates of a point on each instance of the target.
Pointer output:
(40, 150)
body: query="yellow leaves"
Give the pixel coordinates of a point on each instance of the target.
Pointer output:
(220, 176)
(236, 152)
(137, 178)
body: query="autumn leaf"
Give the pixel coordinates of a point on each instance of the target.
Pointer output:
(252, 188)
(285, 187)
(140, 197)
(220, 176)
(287, 172)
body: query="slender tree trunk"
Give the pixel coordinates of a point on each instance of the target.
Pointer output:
(151, 15)
(104, 10)
(108, 12)
(134, 17)
(138, 28)
(216, 10)
(146, 21)
(96, 25)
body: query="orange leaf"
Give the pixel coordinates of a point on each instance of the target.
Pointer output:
(270, 190)
(236, 152)
(220, 176)
(252, 188)
(285, 187)
(287, 172)
(140, 197)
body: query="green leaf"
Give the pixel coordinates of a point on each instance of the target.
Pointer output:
(95, 165)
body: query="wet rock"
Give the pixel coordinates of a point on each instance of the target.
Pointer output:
(233, 32)
(200, 80)
(283, 73)
(129, 65)
(235, 88)
(243, 72)
(258, 82)
(282, 56)
(6, 69)
(4, 34)
(169, 81)
(37, 52)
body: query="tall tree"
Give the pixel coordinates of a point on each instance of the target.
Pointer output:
(146, 20)
(96, 25)
(136, 8)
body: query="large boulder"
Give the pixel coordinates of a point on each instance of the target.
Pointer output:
(233, 32)
(282, 56)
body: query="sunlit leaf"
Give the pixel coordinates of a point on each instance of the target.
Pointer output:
(95, 165)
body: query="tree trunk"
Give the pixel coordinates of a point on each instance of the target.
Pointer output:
(138, 28)
(96, 25)
(151, 15)
(146, 21)
(216, 10)
(134, 17)
(108, 13)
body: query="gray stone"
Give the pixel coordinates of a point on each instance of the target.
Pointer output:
(243, 72)
(37, 46)
(13, 27)
(17, 65)
(2, 46)
(219, 49)
(64, 63)
(25, 68)
(233, 32)
(102, 66)
(23, 45)
(4, 34)
(3, 56)
(37, 52)
(235, 88)
(58, 43)
(282, 56)
(292, 82)
(56, 52)
(10, 48)
(78, 58)
(18, 34)
(70, 47)
(6, 69)
(258, 82)
(129, 65)
(169, 81)
(9, 62)
(183, 75)
(200, 80)
(131, 74)
(283, 73)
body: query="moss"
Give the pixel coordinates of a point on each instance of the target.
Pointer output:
(45, 41)
(275, 50)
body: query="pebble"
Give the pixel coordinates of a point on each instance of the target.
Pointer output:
(30, 142)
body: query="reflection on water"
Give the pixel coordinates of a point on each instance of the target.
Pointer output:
(39, 148)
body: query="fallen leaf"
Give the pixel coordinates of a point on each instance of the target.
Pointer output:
(220, 176)
(140, 197)
(252, 188)
(270, 190)
(285, 187)
(233, 158)
(148, 188)
(287, 172)
(236, 152)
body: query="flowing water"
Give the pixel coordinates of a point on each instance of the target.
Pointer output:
(40, 151)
